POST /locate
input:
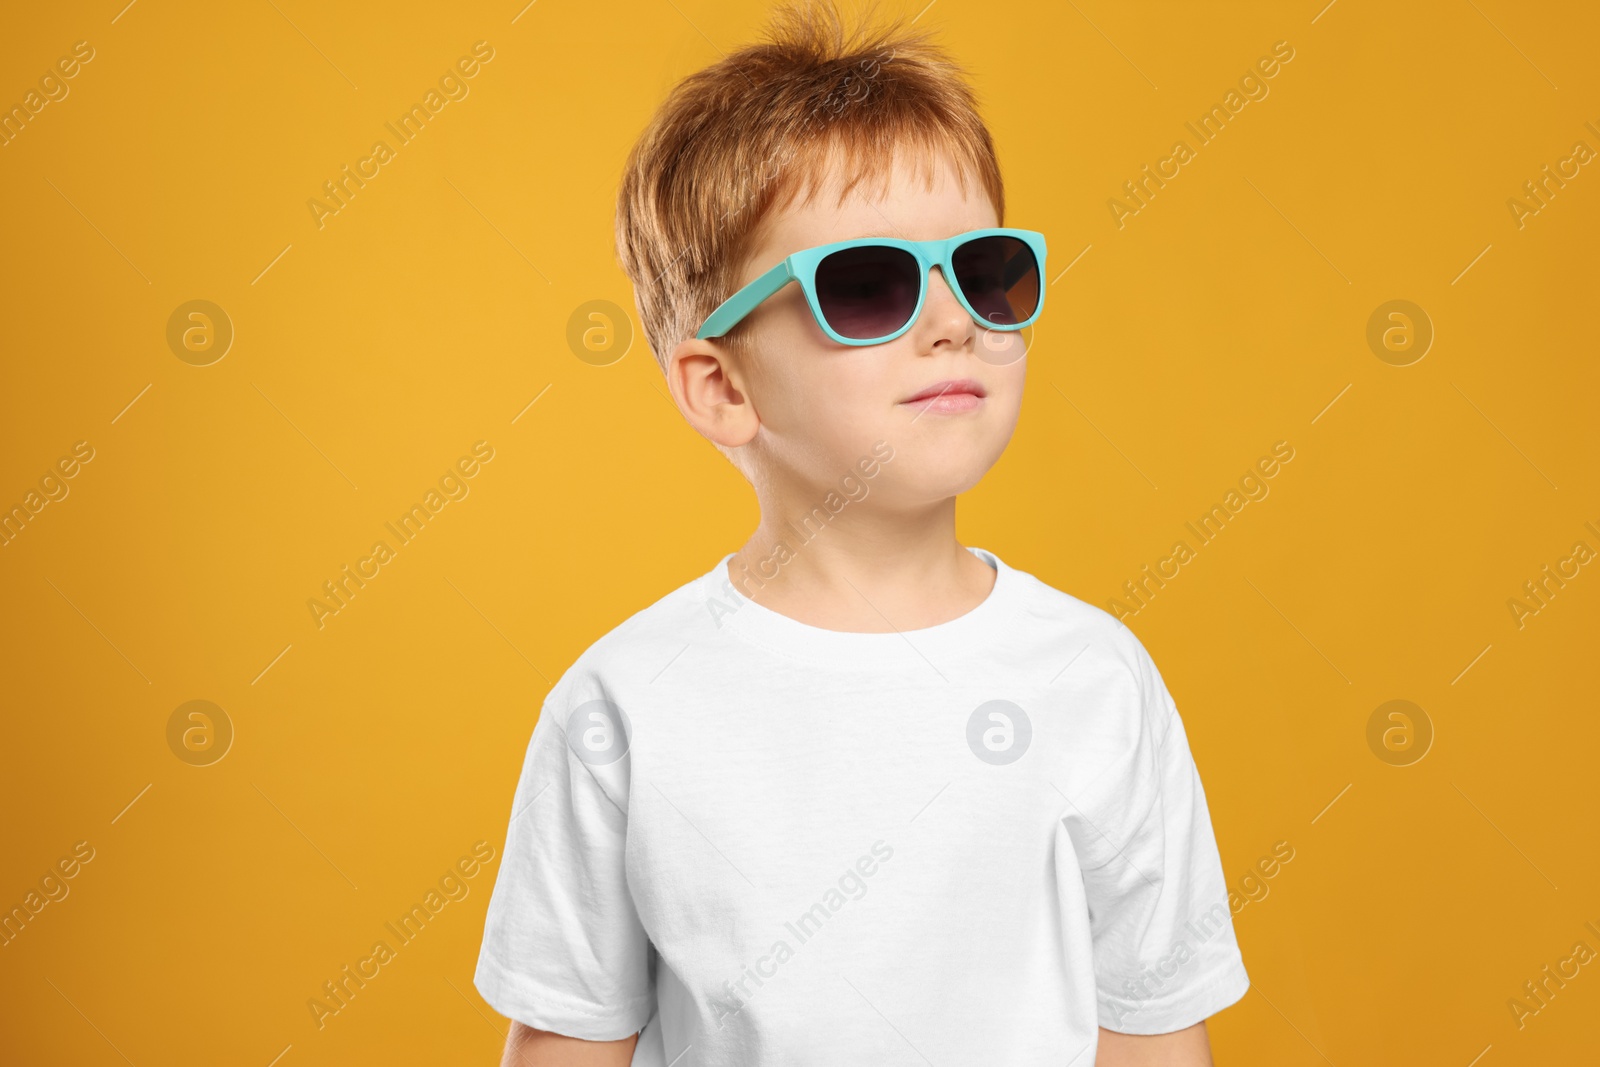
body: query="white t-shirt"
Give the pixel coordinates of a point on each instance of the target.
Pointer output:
(976, 842)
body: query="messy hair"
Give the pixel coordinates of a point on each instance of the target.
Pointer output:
(741, 139)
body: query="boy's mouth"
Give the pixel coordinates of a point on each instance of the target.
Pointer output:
(949, 396)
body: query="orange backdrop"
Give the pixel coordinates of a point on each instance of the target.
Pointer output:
(223, 386)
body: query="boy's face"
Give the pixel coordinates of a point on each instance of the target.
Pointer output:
(821, 405)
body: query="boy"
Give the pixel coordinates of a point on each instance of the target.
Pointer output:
(858, 794)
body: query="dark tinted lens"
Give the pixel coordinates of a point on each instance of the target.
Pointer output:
(868, 292)
(999, 277)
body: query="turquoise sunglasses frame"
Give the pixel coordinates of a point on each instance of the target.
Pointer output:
(802, 267)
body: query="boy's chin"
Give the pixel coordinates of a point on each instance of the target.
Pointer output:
(930, 481)
(945, 459)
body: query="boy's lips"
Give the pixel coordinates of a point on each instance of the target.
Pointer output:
(949, 396)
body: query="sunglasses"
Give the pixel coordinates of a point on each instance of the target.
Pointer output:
(870, 290)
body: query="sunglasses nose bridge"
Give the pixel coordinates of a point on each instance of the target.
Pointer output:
(948, 283)
(948, 303)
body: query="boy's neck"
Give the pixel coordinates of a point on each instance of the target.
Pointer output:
(863, 571)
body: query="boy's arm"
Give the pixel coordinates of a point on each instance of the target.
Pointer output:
(1185, 1048)
(527, 1047)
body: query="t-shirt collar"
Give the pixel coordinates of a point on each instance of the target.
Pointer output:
(966, 633)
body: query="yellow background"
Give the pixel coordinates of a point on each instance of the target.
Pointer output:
(1225, 316)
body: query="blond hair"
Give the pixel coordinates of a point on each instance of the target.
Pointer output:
(740, 139)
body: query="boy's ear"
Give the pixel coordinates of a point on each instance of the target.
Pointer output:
(709, 389)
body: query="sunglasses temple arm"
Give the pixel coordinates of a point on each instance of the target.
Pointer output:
(733, 310)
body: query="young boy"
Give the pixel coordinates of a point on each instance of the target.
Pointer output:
(858, 794)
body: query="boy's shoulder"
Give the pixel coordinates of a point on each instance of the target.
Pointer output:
(1079, 623)
(1073, 618)
(645, 642)
(1062, 607)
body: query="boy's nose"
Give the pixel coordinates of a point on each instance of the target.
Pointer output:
(943, 317)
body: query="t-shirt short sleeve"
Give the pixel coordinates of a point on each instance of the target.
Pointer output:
(1165, 954)
(563, 949)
